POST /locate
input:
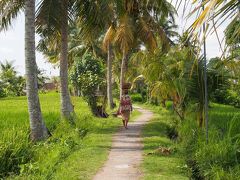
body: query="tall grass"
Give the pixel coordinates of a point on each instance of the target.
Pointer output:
(220, 157)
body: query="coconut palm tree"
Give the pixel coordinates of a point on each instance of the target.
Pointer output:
(8, 11)
(88, 22)
(107, 42)
(38, 128)
(50, 23)
(139, 22)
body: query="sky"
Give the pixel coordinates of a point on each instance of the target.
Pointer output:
(12, 49)
(12, 44)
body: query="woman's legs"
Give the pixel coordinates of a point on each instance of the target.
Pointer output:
(125, 118)
(126, 123)
(123, 122)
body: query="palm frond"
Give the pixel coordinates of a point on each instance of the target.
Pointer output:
(146, 35)
(93, 17)
(48, 19)
(9, 10)
(109, 37)
(124, 34)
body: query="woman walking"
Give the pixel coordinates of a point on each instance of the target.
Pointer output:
(125, 105)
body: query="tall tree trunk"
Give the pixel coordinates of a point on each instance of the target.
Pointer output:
(37, 126)
(109, 76)
(123, 72)
(66, 105)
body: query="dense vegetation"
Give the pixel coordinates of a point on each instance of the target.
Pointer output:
(177, 149)
(219, 158)
(100, 45)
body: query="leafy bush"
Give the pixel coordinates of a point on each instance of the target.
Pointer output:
(227, 96)
(136, 98)
(220, 85)
(87, 76)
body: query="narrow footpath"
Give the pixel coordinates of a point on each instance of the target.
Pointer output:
(126, 153)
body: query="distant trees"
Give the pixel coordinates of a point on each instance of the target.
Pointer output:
(42, 78)
(232, 34)
(11, 83)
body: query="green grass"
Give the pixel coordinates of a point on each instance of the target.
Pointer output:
(157, 165)
(220, 117)
(73, 152)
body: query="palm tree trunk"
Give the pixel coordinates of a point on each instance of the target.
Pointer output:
(109, 76)
(66, 105)
(123, 71)
(37, 126)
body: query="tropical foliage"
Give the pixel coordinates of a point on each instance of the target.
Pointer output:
(98, 46)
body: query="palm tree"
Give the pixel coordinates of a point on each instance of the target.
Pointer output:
(216, 8)
(53, 25)
(94, 19)
(38, 128)
(139, 22)
(7, 70)
(66, 105)
(107, 42)
(88, 22)
(11, 82)
(90, 18)
(8, 11)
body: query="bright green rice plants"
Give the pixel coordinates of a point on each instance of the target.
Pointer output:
(15, 150)
(234, 128)
(218, 173)
(220, 157)
(223, 154)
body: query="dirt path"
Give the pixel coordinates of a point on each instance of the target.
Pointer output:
(126, 152)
